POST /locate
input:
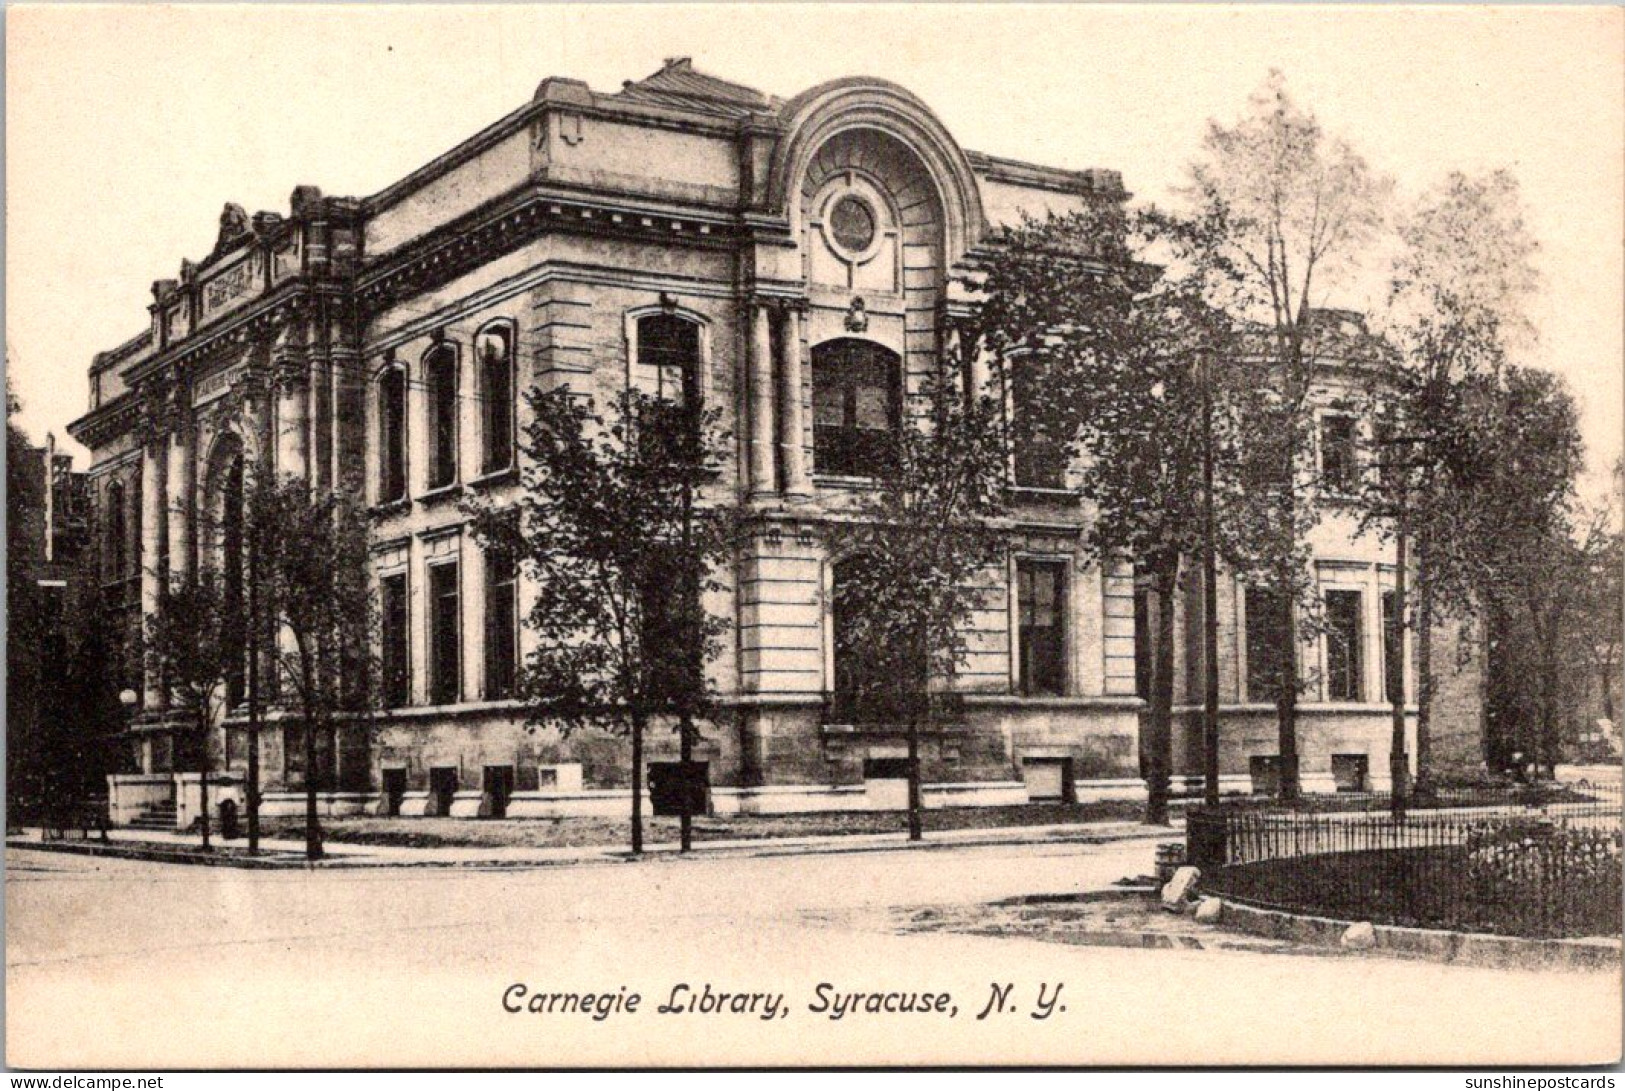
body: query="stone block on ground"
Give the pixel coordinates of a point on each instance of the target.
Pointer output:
(1180, 889)
(1208, 911)
(1360, 937)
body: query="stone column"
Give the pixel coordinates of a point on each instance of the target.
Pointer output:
(178, 501)
(793, 457)
(292, 421)
(152, 531)
(761, 403)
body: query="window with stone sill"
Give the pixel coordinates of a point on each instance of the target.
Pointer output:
(440, 379)
(445, 635)
(1339, 460)
(494, 351)
(392, 435)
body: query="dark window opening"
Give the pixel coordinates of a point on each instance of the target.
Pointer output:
(498, 788)
(1266, 633)
(1339, 464)
(443, 789)
(1041, 608)
(857, 408)
(1343, 646)
(876, 685)
(1393, 652)
(501, 624)
(668, 363)
(394, 791)
(396, 654)
(444, 635)
(494, 350)
(441, 372)
(1040, 454)
(392, 435)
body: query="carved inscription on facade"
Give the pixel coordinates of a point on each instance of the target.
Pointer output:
(230, 287)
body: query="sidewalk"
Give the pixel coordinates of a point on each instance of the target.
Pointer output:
(290, 853)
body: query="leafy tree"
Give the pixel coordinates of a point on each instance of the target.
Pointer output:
(1460, 283)
(190, 643)
(1126, 365)
(1517, 456)
(622, 556)
(1282, 211)
(917, 549)
(315, 594)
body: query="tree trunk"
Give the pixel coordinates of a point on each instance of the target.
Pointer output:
(1424, 664)
(637, 781)
(915, 800)
(203, 763)
(1159, 739)
(313, 829)
(251, 792)
(1397, 769)
(685, 753)
(1286, 699)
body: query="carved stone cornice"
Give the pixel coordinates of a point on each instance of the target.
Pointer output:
(525, 214)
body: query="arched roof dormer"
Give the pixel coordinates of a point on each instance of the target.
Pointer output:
(812, 118)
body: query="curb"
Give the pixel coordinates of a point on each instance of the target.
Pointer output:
(131, 850)
(1464, 948)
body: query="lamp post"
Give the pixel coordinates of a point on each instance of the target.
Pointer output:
(1210, 601)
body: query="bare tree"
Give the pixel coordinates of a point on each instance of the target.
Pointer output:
(1285, 210)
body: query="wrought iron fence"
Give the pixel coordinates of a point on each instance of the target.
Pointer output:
(1548, 869)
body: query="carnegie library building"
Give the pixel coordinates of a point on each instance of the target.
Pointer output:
(797, 265)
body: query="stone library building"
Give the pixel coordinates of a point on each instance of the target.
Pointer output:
(797, 265)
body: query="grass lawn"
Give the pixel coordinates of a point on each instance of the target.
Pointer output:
(594, 832)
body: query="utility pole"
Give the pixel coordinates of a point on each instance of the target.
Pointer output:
(1210, 601)
(1398, 768)
(252, 795)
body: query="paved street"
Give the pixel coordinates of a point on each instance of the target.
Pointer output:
(126, 964)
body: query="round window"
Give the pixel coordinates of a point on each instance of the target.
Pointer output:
(852, 222)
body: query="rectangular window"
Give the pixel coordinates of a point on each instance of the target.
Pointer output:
(501, 624)
(1339, 465)
(396, 641)
(444, 635)
(1265, 634)
(1041, 608)
(392, 435)
(1393, 655)
(1040, 454)
(1343, 660)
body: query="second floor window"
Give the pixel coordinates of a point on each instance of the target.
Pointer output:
(857, 407)
(1040, 454)
(392, 435)
(494, 351)
(1339, 464)
(668, 359)
(440, 374)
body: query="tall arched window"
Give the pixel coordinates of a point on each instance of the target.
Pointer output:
(857, 407)
(118, 540)
(392, 435)
(440, 375)
(668, 359)
(231, 573)
(493, 348)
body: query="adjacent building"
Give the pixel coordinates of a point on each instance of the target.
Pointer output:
(797, 264)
